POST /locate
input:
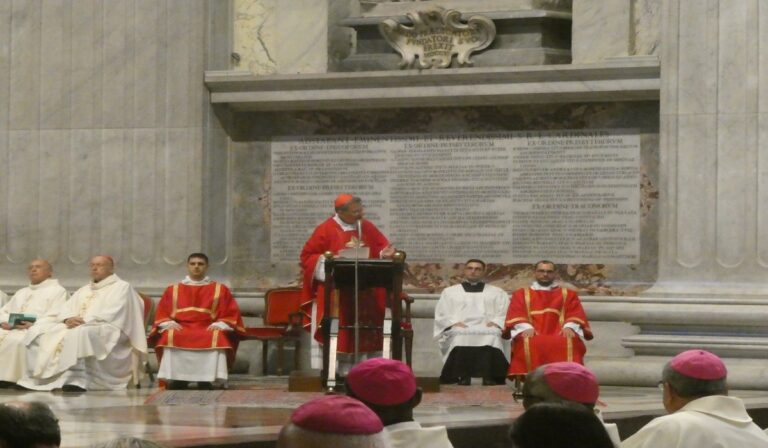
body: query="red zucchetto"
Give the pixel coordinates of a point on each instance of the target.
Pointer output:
(381, 381)
(336, 414)
(699, 364)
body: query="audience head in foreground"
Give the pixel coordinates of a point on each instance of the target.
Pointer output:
(334, 421)
(691, 375)
(386, 386)
(28, 425)
(129, 442)
(702, 415)
(561, 382)
(559, 425)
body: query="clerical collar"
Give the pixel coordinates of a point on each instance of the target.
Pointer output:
(44, 284)
(536, 286)
(473, 287)
(344, 226)
(189, 281)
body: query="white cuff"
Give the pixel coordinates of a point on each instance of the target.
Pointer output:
(519, 328)
(220, 325)
(320, 269)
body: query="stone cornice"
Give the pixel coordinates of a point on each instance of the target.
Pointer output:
(623, 79)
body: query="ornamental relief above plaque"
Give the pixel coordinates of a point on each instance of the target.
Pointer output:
(436, 34)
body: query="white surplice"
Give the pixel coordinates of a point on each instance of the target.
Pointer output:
(105, 353)
(476, 310)
(413, 435)
(41, 300)
(714, 421)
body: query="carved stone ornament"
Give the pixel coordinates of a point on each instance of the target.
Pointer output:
(436, 35)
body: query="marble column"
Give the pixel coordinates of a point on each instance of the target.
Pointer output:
(712, 284)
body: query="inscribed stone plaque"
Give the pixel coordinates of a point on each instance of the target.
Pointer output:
(510, 197)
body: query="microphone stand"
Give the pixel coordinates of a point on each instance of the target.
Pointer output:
(357, 291)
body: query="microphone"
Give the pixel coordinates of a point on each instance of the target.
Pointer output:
(359, 233)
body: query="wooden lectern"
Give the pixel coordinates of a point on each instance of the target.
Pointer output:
(371, 273)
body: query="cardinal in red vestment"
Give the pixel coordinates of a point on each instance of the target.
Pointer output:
(546, 322)
(336, 234)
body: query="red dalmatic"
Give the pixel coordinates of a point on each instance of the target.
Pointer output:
(547, 312)
(195, 307)
(329, 236)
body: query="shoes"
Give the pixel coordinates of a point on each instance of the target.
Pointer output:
(204, 385)
(176, 385)
(491, 382)
(72, 388)
(7, 385)
(465, 381)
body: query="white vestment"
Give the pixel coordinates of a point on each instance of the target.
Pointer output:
(709, 422)
(193, 365)
(102, 354)
(474, 309)
(3, 298)
(42, 301)
(412, 435)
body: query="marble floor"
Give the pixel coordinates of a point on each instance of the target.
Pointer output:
(192, 418)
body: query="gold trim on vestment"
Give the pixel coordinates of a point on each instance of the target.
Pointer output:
(170, 337)
(175, 300)
(194, 308)
(569, 349)
(517, 319)
(528, 303)
(527, 349)
(544, 311)
(578, 321)
(562, 312)
(215, 339)
(216, 294)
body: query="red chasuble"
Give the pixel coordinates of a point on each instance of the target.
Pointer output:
(329, 236)
(547, 312)
(195, 308)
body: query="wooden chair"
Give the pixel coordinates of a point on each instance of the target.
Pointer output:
(282, 323)
(149, 319)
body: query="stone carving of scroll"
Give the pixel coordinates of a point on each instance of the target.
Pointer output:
(436, 35)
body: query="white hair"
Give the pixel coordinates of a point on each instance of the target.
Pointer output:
(292, 436)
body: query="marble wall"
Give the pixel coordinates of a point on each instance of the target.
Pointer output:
(102, 112)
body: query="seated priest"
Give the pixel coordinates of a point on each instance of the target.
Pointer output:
(345, 230)
(469, 318)
(546, 323)
(37, 302)
(96, 341)
(196, 329)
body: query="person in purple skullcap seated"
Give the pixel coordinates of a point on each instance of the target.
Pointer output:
(701, 414)
(333, 421)
(388, 388)
(565, 382)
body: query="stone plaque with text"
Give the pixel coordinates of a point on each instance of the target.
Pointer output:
(509, 197)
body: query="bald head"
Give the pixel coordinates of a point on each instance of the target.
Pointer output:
(101, 267)
(39, 270)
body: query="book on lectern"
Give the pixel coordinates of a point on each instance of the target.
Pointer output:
(17, 318)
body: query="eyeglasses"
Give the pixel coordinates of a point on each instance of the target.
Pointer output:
(518, 396)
